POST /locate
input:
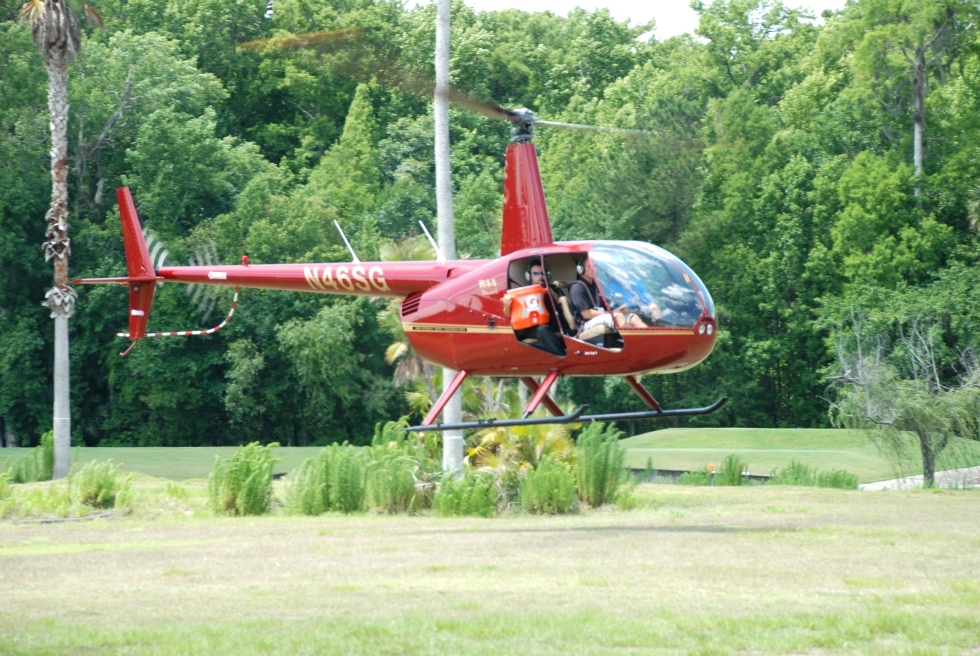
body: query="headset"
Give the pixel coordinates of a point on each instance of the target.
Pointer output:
(533, 263)
(579, 267)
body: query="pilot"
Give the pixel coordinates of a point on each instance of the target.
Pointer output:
(588, 309)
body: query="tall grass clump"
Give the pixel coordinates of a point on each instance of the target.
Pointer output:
(696, 477)
(599, 464)
(335, 479)
(548, 488)
(401, 470)
(475, 494)
(838, 478)
(242, 484)
(796, 473)
(37, 465)
(731, 470)
(100, 485)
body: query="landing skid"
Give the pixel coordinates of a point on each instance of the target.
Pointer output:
(576, 417)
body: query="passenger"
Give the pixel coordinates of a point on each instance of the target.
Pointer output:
(586, 304)
(544, 336)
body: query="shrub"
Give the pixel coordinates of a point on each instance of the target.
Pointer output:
(401, 470)
(548, 488)
(53, 501)
(838, 478)
(731, 471)
(600, 469)
(242, 484)
(473, 494)
(37, 465)
(697, 477)
(6, 489)
(511, 451)
(391, 483)
(100, 485)
(333, 480)
(796, 473)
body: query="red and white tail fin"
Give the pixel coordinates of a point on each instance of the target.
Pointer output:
(142, 277)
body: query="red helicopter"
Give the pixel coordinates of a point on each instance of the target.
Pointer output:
(483, 317)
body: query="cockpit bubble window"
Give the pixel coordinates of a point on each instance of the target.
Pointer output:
(651, 282)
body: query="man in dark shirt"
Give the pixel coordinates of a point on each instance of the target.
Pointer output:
(587, 305)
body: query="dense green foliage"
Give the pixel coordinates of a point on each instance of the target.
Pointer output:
(781, 166)
(242, 484)
(35, 465)
(473, 494)
(100, 484)
(599, 470)
(548, 488)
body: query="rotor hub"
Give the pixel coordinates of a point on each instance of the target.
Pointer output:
(522, 125)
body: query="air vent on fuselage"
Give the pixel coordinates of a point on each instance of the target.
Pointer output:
(411, 305)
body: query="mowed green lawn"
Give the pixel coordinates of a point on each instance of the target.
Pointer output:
(690, 449)
(691, 570)
(684, 449)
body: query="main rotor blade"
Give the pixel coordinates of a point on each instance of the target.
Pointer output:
(595, 128)
(393, 75)
(301, 40)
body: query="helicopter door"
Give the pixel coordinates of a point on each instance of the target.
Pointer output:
(531, 308)
(567, 273)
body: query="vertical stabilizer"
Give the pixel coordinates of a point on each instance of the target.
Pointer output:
(142, 277)
(525, 221)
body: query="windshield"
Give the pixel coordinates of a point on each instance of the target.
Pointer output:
(650, 281)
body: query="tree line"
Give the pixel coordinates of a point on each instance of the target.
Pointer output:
(811, 171)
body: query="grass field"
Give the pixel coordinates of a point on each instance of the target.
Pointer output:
(766, 449)
(758, 570)
(676, 448)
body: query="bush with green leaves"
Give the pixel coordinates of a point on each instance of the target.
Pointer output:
(242, 484)
(335, 479)
(36, 465)
(474, 494)
(401, 471)
(44, 501)
(838, 478)
(732, 470)
(548, 488)
(696, 477)
(599, 464)
(796, 473)
(100, 485)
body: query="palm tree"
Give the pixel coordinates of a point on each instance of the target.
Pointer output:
(58, 35)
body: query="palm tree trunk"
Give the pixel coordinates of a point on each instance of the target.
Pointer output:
(60, 298)
(452, 444)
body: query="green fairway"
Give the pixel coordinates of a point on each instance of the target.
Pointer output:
(674, 449)
(767, 449)
(693, 570)
(175, 463)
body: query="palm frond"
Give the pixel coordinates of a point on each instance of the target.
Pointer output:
(31, 11)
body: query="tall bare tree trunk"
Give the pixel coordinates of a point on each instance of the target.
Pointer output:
(60, 298)
(452, 441)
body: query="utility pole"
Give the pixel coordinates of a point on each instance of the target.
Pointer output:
(452, 441)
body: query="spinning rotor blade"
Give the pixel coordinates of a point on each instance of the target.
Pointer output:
(301, 40)
(389, 73)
